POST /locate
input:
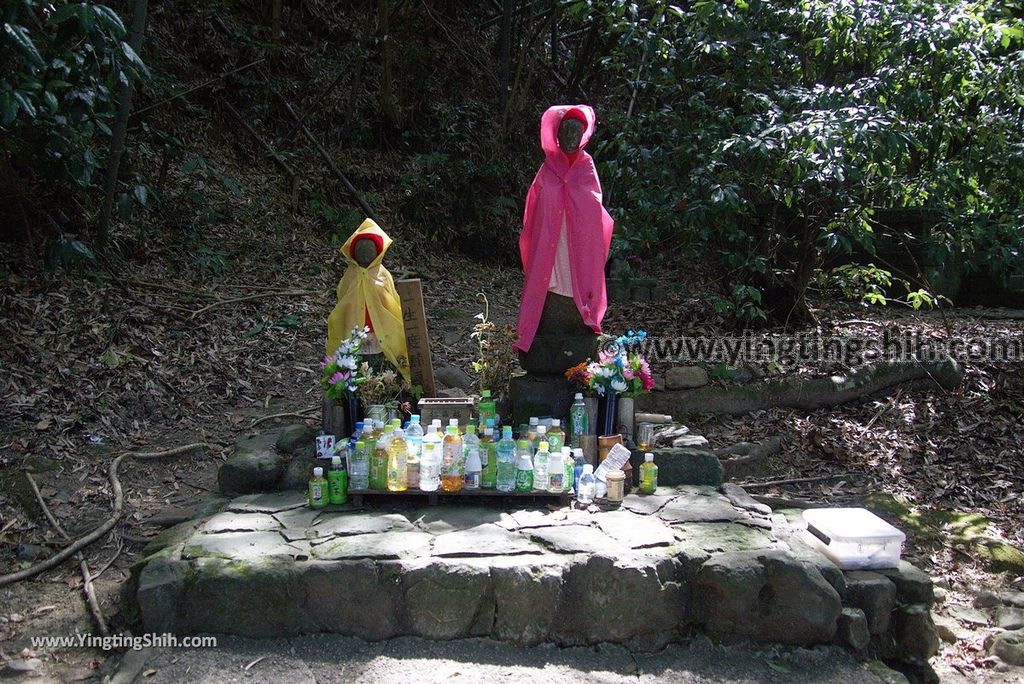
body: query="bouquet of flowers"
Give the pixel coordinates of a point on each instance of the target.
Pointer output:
(379, 387)
(619, 369)
(342, 374)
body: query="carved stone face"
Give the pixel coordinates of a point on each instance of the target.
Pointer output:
(570, 132)
(365, 252)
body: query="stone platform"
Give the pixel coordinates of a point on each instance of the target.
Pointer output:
(656, 570)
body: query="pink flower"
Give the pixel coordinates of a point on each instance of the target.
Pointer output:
(336, 378)
(627, 373)
(328, 360)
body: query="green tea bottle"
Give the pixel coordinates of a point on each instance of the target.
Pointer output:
(489, 455)
(318, 489)
(337, 482)
(487, 408)
(648, 475)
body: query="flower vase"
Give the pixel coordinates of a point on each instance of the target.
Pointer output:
(353, 414)
(377, 412)
(625, 419)
(591, 404)
(608, 415)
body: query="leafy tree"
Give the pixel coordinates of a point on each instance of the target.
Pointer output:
(61, 64)
(765, 135)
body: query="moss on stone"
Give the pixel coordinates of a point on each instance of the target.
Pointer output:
(955, 528)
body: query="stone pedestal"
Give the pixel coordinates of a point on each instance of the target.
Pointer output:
(540, 395)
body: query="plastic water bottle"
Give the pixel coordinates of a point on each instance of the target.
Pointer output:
(540, 466)
(359, 471)
(414, 436)
(648, 474)
(472, 449)
(556, 438)
(542, 436)
(506, 461)
(555, 473)
(430, 461)
(577, 468)
(577, 420)
(473, 468)
(531, 432)
(398, 462)
(588, 485)
(524, 472)
(489, 457)
(453, 465)
(568, 466)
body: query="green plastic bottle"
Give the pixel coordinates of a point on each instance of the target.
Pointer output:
(489, 454)
(524, 471)
(487, 408)
(337, 482)
(318, 495)
(648, 475)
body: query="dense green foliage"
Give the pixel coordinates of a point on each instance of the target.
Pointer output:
(765, 135)
(60, 67)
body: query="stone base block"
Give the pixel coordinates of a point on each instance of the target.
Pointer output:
(540, 395)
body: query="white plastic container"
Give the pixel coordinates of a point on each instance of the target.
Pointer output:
(854, 538)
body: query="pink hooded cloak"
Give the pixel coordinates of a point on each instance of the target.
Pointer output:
(564, 186)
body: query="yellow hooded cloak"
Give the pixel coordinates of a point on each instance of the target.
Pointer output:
(370, 290)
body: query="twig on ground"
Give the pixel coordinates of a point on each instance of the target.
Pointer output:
(301, 414)
(779, 502)
(147, 455)
(103, 568)
(795, 480)
(261, 295)
(83, 565)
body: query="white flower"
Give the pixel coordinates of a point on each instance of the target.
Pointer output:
(619, 385)
(347, 362)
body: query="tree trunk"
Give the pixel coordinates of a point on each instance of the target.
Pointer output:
(120, 129)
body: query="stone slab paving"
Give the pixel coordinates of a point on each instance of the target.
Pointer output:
(651, 572)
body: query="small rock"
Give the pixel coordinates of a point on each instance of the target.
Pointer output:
(1009, 618)
(1008, 647)
(659, 383)
(250, 470)
(686, 377)
(451, 376)
(694, 441)
(20, 667)
(949, 630)
(874, 594)
(941, 582)
(915, 632)
(940, 595)
(969, 616)
(912, 585)
(300, 469)
(987, 599)
(852, 629)
(16, 617)
(31, 552)
(295, 437)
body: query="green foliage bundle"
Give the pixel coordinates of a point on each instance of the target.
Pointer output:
(61, 66)
(765, 134)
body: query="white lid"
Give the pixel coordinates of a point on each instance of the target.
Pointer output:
(453, 421)
(534, 420)
(556, 422)
(335, 460)
(431, 429)
(542, 429)
(566, 451)
(852, 525)
(577, 452)
(318, 472)
(399, 432)
(649, 457)
(488, 430)
(588, 469)
(579, 396)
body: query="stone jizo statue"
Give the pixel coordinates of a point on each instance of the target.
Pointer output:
(564, 246)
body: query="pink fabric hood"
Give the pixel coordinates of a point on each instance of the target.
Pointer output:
(566, 186)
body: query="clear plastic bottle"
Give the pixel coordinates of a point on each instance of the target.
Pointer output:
(489, 459)
(379, 460)
(453, 464)
(430, 461)
(471, 480)
(555, 473)
(540, 466)
(398, 462)
(648, 475)
(471, 447)
(524, 471)
(505, 452)
(577, 468)
(556, 438)
(577, 420)
(588, 485)
(542, 436)
(531, 432)
(359, 472)
(414, 441)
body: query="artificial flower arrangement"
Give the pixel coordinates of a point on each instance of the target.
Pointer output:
(380, 388)
(342, 373)
(619, 369)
